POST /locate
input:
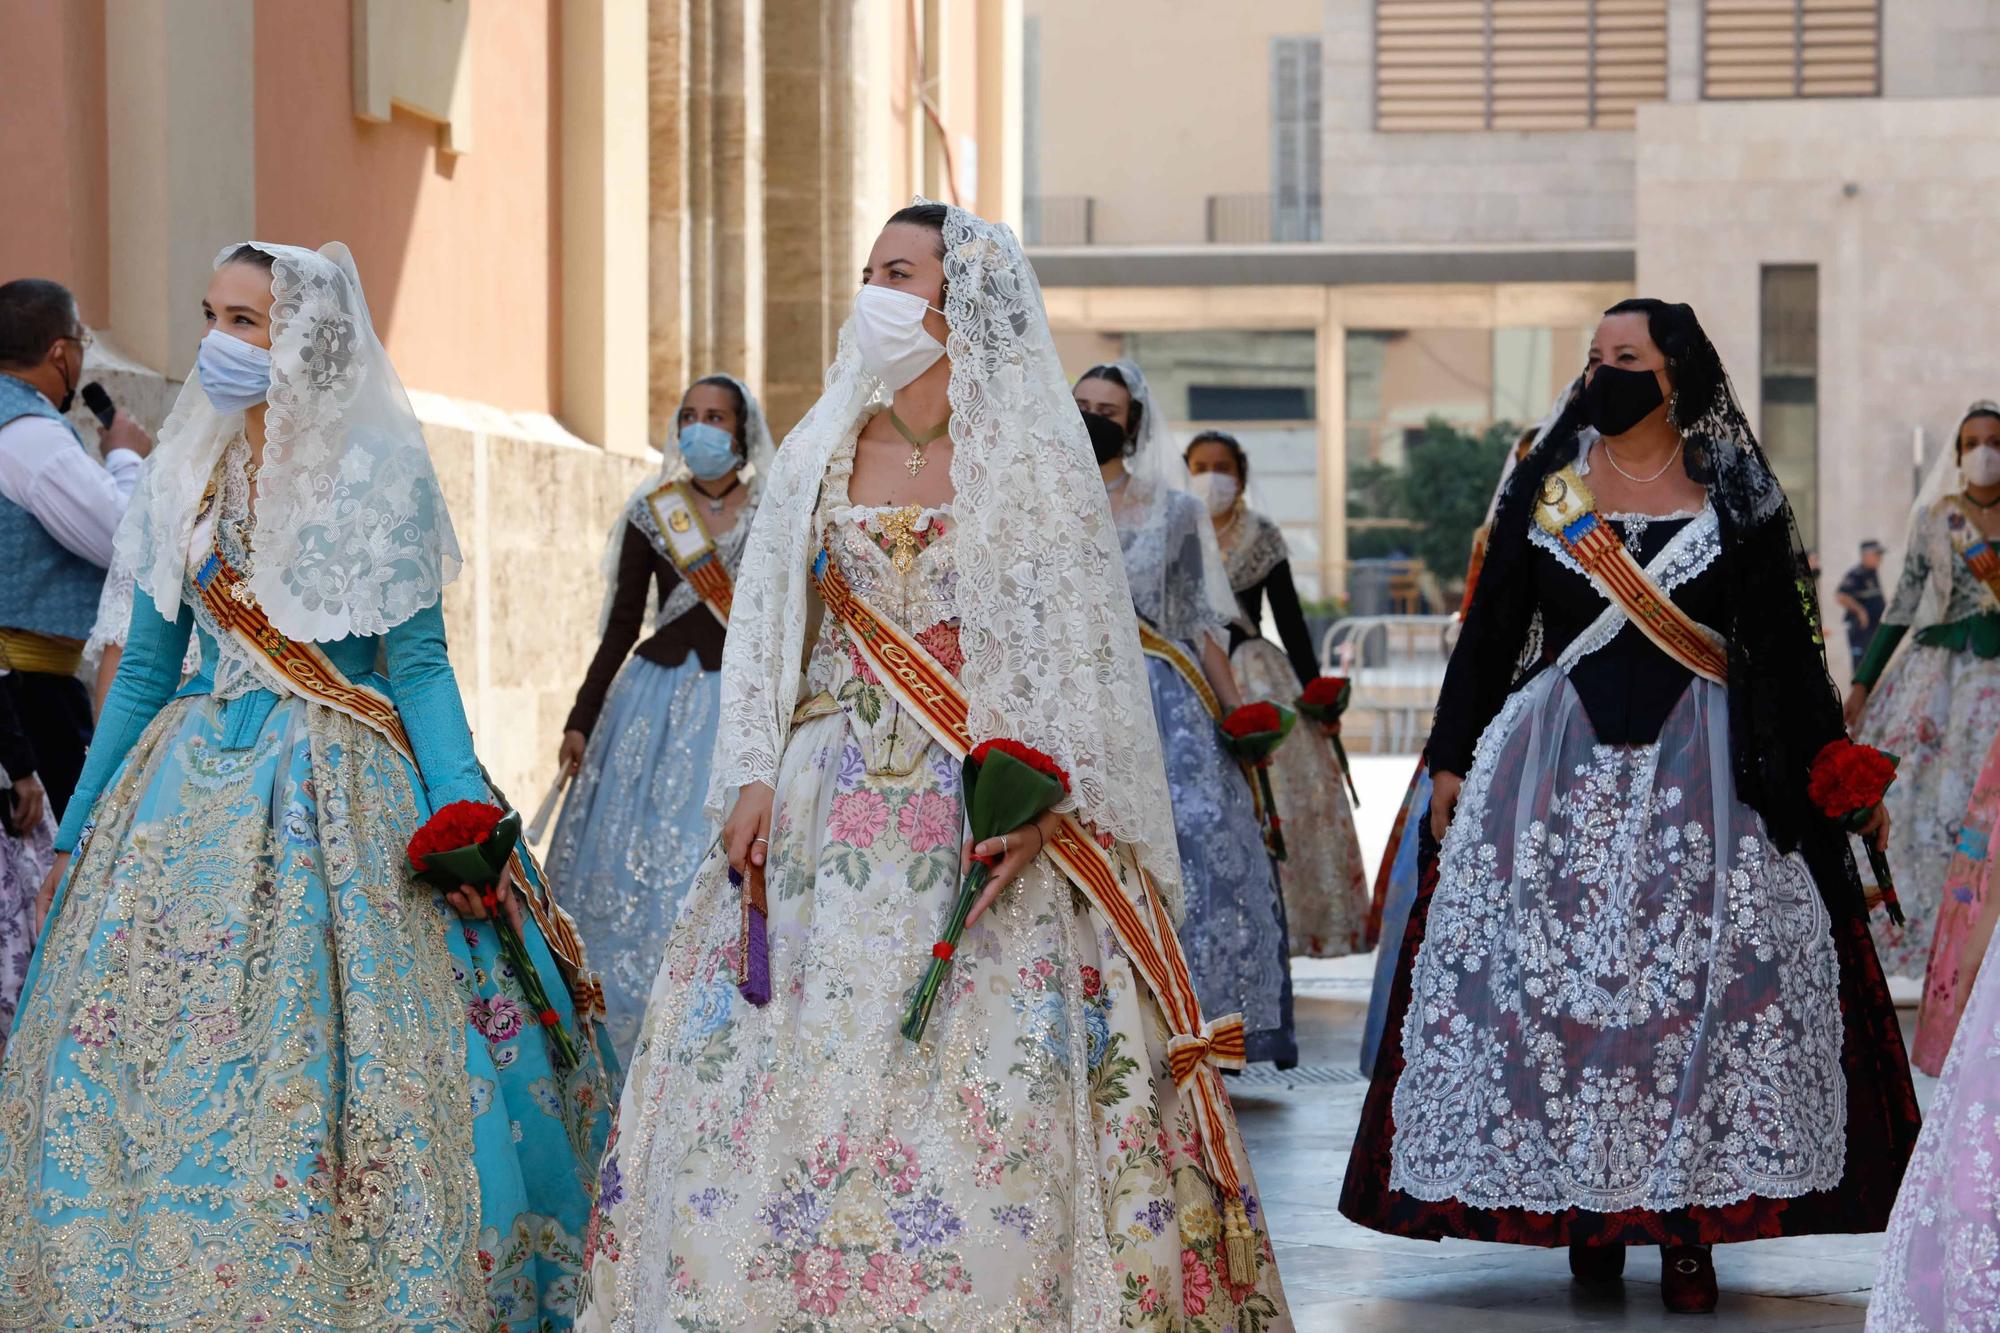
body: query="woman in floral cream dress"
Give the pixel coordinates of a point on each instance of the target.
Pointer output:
(1031, 1162)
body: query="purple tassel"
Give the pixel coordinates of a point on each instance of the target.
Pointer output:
(753, 952)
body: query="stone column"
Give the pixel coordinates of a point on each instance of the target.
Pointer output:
(1000, 111)
(737, 153)
(180, 127)
(604, 222)
(670, 220)
(707, 210)
(801, 87)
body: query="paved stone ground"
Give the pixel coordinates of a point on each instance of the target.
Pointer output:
(1343, 1277)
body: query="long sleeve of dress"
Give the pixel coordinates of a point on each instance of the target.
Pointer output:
(1783, 708)
(1481, 670)
(621, 629)
(1909, 594)
(148, 674)
(426, 694)
(1291, 620)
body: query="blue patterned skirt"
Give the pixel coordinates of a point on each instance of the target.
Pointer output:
(1234, 929)
(1396, 905)
(632, 833)
(260, 1077)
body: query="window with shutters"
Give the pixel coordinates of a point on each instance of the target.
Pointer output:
(1517, 64)
(1791, 48)
(1295, 107)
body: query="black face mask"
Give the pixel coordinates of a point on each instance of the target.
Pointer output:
(1107, 437)
(1618, 399)
(69, 396)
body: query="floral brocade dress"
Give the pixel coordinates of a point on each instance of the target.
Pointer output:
(260, 1077)
(802, 1165)
(1937, 708)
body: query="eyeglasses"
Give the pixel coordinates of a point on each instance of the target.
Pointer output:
(85, 339)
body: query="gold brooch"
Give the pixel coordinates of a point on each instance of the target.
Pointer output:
(899, 529)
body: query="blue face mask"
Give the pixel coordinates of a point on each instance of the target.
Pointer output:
(710, 451)
(234, 374)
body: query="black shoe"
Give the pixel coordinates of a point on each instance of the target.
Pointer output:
(1687, 1279)
(1597, 1265)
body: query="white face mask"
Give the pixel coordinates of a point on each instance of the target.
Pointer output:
(889, 332)
(1217, 490)
(235, 374)
(1981, 465)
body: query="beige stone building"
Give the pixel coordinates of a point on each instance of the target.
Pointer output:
(1417, 208)
(563, 210)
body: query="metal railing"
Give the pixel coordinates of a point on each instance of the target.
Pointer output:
(1396, 664)
(1065, 219)
(1260, 219)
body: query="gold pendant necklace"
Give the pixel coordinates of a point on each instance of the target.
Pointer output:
(915, 462)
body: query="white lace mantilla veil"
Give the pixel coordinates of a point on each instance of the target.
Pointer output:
(757, 450)
(1159, 472)
(351, 531)
(1942, 481)
(1051, 648)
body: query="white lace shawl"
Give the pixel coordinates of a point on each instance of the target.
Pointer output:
(351, 531)
(1051, 648)
(1259, 548)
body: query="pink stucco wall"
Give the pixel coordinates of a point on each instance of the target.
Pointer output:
(53, 153)
(458, 255)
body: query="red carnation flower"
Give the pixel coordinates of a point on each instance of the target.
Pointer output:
(1027, 754)
(1324, 692)
(1846, 778)
(459, 824)
(1253, 719)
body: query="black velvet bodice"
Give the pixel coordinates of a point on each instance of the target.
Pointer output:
(1628, 686)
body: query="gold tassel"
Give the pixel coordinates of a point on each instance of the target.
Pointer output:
(1239, 1244)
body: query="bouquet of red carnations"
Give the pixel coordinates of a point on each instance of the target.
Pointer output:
(468, 843)
(1325, 699)
(1253, 734)
(1847, 783)
(1007, 787)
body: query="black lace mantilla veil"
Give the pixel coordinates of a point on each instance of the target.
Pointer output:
(1782, 703)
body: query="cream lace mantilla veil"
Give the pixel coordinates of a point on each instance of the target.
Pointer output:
(1158, 503)
(1051, 647)
(351, 532)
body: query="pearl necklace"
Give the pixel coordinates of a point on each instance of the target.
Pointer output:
(1672, 458)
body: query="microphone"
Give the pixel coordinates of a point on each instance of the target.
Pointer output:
(99, 403)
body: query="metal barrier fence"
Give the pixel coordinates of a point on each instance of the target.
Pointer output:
(1396, 664)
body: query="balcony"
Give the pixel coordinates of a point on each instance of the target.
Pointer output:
(1068, 219)
(1263, 219)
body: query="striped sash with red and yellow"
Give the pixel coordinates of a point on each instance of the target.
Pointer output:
(226, 595)
(688, 543)
(1972, 547)
(1120, 891)
(1567, 511)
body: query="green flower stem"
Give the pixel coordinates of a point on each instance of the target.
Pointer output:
(515, 949)
(920, 1007)
(1271, 810)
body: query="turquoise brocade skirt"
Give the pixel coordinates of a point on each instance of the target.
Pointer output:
(262, 1078)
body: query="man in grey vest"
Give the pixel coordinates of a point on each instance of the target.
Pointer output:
(59, 509)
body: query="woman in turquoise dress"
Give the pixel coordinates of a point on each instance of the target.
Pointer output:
(261, 1076)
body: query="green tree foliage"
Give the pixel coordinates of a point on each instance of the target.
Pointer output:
(1441, 493)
